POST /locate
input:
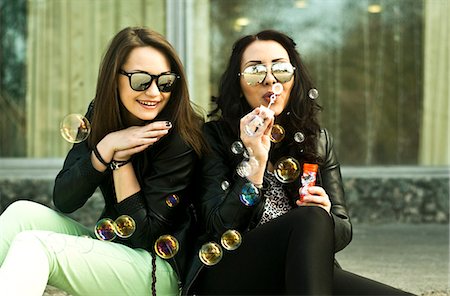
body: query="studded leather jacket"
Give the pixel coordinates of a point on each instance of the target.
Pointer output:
(220, 208)
(164, 169)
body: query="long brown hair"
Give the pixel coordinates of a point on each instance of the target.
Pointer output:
(108, 114)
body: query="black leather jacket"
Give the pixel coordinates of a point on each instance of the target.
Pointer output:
(219, 210)
(165, 168)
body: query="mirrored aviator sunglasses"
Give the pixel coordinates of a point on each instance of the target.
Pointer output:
(254, 74)
(140, 81)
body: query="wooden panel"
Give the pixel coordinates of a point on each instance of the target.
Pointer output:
(66, 42)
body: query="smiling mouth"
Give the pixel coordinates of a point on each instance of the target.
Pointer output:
(148, 104)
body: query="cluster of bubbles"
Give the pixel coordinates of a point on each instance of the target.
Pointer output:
(75, 128)
(247, 166)
(211, 252)
(106, 229)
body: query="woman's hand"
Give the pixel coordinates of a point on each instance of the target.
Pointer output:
(123, 144)
(258, 144)
(316, 197)
(135, 139)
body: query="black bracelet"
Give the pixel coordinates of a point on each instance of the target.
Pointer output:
(99, 157)
(116, 164)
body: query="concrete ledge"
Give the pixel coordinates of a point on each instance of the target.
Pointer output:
(386, 194)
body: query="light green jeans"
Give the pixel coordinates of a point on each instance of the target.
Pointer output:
(39, 245)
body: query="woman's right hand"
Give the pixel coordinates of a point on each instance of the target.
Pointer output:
(123, 144)
(258, 144)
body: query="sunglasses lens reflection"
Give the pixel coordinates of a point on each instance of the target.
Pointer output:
(140, 81)
(166, 82)
(283, 72)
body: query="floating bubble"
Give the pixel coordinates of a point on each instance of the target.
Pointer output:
(277, 88)
(75, 128)
(166, 246)
(84, 244)
(277, 134)
(56, 242)
(287, 170)
(125, 226)
(244, 169)
(249, 195)
(172, 200)
(225, 185)
(237, 147)
(231, 240)
(299, 137)
(210, 253)
(313, 93)
(105, 229)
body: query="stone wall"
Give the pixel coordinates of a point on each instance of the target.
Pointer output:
(374, 194)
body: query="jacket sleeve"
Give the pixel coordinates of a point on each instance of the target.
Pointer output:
(330, 174)
(78, 179)
(162, 204)
(221, 207)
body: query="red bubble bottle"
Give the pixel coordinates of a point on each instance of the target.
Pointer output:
(308, 178)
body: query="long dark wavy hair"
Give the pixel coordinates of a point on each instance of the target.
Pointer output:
(109, 114)
(300, 113)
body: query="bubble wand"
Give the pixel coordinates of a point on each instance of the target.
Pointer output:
(257, 121)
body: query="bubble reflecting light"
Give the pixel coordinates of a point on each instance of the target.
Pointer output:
(244, 169)
(105, 229)
(210, 253)
(166, 246)
(237, 147)
(225, 185)
(277, 134)
(75, 128)
(287, 170)
(249, 195)
(231, 239)
(313, 93)
(299, 137)
(172, 200)
(125, 226)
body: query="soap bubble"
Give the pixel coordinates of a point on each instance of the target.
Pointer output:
(224, 185)
(210, 253)
(287, 170)
(249, 195)
(231, 240)
(277, 88)
(75, 128)
(172, 200)
(277, 134)
(237, 147)
(299, 137)
(125, 226)
(166, 246)
(313, 93)
(105, 229)
(244, 169)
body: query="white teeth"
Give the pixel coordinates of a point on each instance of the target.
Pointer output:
(148, 103)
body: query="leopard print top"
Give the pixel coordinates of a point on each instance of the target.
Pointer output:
(276, 200)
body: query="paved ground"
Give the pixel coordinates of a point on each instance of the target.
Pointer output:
(411, 257)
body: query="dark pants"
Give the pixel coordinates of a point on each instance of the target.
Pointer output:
(292, 254)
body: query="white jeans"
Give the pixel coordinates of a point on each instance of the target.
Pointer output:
(39, 245)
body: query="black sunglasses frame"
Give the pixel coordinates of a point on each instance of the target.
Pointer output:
(152, 78)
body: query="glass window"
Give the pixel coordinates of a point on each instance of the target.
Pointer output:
(366, 57)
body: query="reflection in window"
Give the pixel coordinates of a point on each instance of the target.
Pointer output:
(366, 60)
